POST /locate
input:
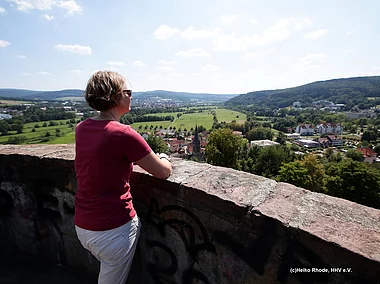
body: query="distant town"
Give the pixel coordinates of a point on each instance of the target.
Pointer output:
(313, 144)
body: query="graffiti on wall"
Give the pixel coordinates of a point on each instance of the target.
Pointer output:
(193, 235)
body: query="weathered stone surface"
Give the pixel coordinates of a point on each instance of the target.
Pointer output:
(209, 223)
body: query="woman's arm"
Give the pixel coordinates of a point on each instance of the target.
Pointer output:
(158, 167)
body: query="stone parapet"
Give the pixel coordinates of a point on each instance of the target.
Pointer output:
(205, 223)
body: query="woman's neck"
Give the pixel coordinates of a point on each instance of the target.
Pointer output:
(108, 115)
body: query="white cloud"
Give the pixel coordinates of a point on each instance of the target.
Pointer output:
(236, 43)
(2, 10)
(309, 60)
(114, 68)
(166, 62)
(210, 68)
(195, 52)
(76, 71)
(191, 34)
(43, 73)
(254, 21)
(70, 6)
(316, 34)
(251, 55)
(347, 52)
(164, 32)
(350, 32)
(138, 63)
(21, 56)
(271, 50)
(75, 48)
(47, 17)
(116, 63)
(376, 67)
(228, 19)
(25, 74)
(278, 32)
(165, 68)
(4, 43)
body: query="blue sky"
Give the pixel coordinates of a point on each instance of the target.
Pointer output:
(214, 46)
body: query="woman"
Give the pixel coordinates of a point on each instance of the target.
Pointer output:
(105, 220)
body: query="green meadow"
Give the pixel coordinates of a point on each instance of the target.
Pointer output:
(64, 134)
(44, 135)
(12, 102)
(164, 124)
(189, 120)
(229, 115)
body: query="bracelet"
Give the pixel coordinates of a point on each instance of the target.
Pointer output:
(165, 158)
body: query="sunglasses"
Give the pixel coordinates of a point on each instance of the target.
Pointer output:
(128, 92)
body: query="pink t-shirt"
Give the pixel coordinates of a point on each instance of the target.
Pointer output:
(105, 152)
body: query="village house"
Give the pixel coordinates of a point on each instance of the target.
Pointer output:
(335, 140)
(324, 128)
(305, 129)
(291, 136)
(307, 143)
(369, 155)
(263, 143)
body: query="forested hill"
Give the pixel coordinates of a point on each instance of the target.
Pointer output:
(349, 91)
(66, 94)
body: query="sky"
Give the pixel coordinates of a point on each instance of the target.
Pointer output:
(208, 46)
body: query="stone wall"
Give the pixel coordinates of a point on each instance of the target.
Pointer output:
(205, 224)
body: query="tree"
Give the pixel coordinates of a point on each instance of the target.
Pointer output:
(16, 139)
(270, 159)
(355, 155)
(225, 148)
(18, 126)
(281, 138)
(260, 133)
(157, 144)
(4, 127)
(355, 181)
(316, 172)
(295, 173)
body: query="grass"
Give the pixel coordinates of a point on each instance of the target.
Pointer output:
(189, 120)
(229, 115)
(12, 102)
(163, 114)
(35, 137)
(70, 99)
(165, 124)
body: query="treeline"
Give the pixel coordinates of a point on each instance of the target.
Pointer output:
(350, 91)
(333, 174)
(33, 114)
(131, 118)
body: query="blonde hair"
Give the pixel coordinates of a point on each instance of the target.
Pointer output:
(104, 90)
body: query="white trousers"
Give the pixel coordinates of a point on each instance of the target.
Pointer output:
(113, 248)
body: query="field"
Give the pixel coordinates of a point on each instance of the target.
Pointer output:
(66, 132)
(229, 115)
(12, 102)
(164, 124)
(189, 120)
(48, 134)
(70, 99)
